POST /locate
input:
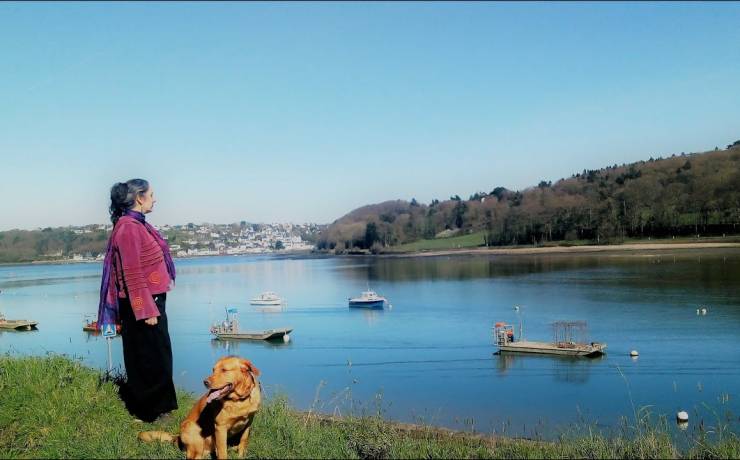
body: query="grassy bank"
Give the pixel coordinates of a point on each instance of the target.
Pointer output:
(476, 240)
(471, 240)
(54, 407)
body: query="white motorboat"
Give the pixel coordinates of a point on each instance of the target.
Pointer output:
(267, 298)
(368, 299)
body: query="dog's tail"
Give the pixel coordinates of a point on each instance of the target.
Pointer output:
(161, 436)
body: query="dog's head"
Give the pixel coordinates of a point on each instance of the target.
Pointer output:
(233, 378)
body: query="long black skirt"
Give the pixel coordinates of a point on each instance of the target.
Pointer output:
(147, 354)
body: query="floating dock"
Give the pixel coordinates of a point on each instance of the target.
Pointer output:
(270, 334)
(229, 330)
(565, 349)
(568, 340)
(18, 324)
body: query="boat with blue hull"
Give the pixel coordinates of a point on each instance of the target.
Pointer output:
(368, 299)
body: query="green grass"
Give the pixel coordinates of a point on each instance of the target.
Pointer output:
(476, 239)
(54, 407)
(471, 240)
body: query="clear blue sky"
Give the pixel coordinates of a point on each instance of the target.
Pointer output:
(298, 112)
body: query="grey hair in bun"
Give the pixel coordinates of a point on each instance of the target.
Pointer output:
(123, 197)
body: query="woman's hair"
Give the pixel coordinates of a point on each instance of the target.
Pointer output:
(123, 197)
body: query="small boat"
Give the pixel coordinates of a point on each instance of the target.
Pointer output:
(229, 330)
(564, 343)
(91, 325)
(267, 298)
(17, 324)
(269, 334)
(368, 299)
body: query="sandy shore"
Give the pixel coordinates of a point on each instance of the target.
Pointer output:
(617, 248)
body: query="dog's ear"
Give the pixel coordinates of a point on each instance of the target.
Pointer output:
(247, 366)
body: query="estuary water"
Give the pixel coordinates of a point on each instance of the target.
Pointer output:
(429, 357)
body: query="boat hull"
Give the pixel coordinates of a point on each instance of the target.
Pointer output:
(377, 304)
(271, 334)
(552, 349)
(18, 325)
(265, 302)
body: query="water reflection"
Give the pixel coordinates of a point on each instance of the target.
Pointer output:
(717, 265)
(234, 347)
(569, 369)
(370, 315)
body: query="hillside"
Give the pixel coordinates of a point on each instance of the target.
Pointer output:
(687, 194)
(89, 241)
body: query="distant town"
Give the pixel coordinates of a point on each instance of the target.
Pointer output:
(194, 240)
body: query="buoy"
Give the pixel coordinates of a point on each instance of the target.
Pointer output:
(634, 353)
(682, 417)
(697, 312)
(703, 311)
(286, 338)
(516, 308)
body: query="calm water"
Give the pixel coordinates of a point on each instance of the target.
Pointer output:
(429, 357)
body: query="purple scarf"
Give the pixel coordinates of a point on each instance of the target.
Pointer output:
(108, 306)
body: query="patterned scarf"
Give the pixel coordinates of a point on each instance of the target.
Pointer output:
(108, 306)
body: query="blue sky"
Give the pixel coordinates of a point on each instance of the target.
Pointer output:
(298, 112)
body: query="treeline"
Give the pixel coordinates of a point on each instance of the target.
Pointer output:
(687, 194)
(50, 244)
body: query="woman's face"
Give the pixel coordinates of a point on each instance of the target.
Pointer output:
(146, 201)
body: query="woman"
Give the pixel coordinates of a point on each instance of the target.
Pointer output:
(137, 273)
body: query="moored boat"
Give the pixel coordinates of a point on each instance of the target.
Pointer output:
(266, 298)
(92, 326)
(17, 324)
(368, 299)
(229, 330)
(564, 343)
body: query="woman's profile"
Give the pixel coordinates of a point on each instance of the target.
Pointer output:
(137, 273)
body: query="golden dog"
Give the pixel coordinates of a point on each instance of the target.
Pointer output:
(225, 411)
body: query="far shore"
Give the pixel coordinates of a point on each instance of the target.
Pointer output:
(626, 248)
(604, 248)
(176, 258)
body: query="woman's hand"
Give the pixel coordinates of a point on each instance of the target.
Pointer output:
(151, 321)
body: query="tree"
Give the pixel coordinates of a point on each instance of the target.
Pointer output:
(371, 234)
(279, 245)
(459, 212)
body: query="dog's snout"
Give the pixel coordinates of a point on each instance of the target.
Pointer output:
(206, 383)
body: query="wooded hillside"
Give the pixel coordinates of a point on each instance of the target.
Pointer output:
(685, 194)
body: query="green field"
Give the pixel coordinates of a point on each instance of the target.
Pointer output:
(55, 407)
(471, 240)
(474, 240)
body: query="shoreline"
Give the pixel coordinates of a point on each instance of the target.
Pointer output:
(72, 262)
(606, 249)
(549, 250)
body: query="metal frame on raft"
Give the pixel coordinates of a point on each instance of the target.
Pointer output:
(568, 334)
(569, 340)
